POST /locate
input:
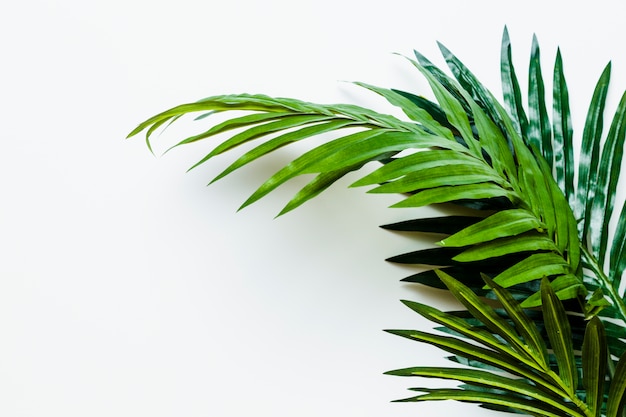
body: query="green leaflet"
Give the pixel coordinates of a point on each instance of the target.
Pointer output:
(536, 266)
(617, 391)
(510, 87)
(413, 111)
(589, 152)
(438, 176)
(418, 163)
(277, 142)
(453, 107)
(560, 336)
(447, 194)
(341, 153)
(606, 185)
(501, 224)
(618, 250)
(528, 242)
(562, 131)
(546, 403)
(565, 287)
(594, 357)
(497, 347)
(446, 225)
(254, 119)
(521, 404)
(525, 327)
(539, 133)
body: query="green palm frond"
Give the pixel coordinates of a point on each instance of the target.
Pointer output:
(535, 233)
(466, 159)
(517, 371)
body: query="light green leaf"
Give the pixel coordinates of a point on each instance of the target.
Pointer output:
(606, 184)
(260, 131)
(416, 164)
(565, 287)
(236, 123)
(452, 193)
(300, 164)
(501, 224)
(439, 176)
(529, 242)
(280, 141)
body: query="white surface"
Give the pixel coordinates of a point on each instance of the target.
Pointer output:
(127, 288)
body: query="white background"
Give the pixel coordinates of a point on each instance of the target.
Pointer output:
(128, 288)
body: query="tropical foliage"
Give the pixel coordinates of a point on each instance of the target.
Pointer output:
(535, 238)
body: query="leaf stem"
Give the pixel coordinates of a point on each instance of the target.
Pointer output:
(605, 282)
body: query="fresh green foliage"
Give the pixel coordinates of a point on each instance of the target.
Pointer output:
(534, 239)
(519, 372)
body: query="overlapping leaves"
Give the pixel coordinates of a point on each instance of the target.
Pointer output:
(514, 368)
(464, 148)
(529, 226)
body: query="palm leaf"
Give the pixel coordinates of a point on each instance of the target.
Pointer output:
(525, 227)
(506, 349)
(562, 132)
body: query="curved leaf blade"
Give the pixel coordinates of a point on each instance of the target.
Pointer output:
(594, 358)
(504, 223)
(617, 391)
(562, 130)
(560, 336)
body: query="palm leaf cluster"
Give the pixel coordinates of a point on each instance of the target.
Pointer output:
(536, 224)
(514, 368)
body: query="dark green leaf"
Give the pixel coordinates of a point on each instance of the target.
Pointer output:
(523, 324)
(618, 250)
(446, 225)
(617, 391)
(510, 87)
(560, 336)
(594, 357)
(413, 111)
(434, 256)
(606, 184)
(562, 129)
(539, 133)
(589, 153)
